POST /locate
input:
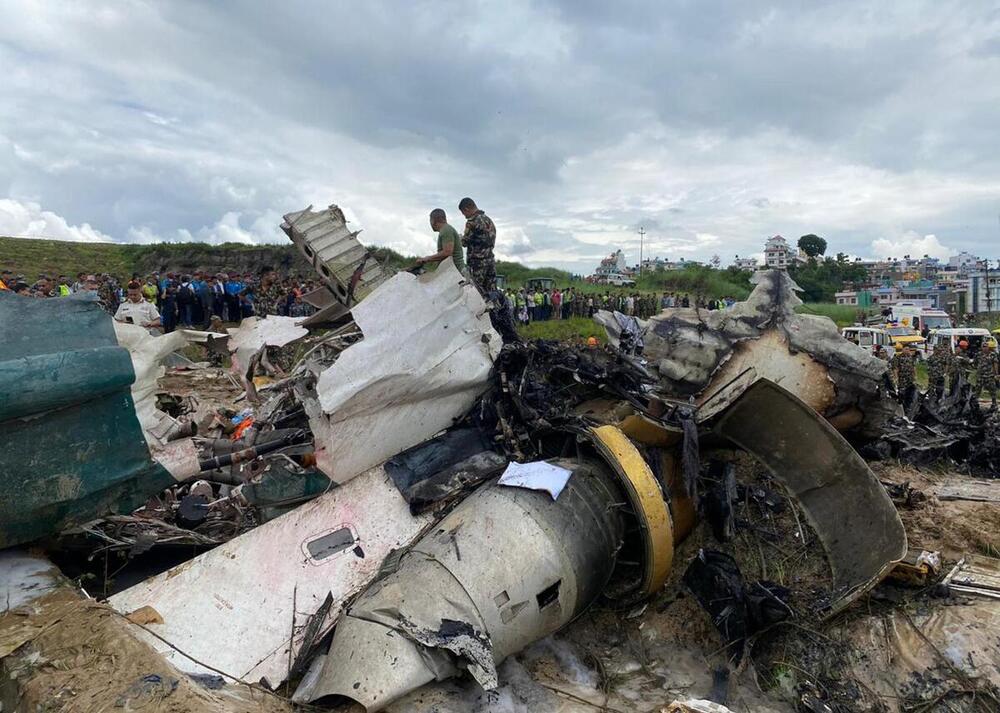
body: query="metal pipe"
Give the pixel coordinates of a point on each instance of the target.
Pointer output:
(248, 454)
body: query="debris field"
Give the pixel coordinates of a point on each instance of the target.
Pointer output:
(396, 504)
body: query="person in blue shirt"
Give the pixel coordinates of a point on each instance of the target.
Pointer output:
(233, 289)
(169, 314)
(199, 286)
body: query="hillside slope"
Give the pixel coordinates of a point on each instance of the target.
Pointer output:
(32, 257)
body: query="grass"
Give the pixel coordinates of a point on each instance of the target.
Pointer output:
(698, 280)
(843, 315)
(575, 329)
(32, 258)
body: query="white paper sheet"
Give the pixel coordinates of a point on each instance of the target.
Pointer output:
(536, 476)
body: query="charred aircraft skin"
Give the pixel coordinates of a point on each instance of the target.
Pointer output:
(455, 602)
(692, 352)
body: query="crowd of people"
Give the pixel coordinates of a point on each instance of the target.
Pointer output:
(170, 300)
(198, 298)
(946, 370)
(541, 304)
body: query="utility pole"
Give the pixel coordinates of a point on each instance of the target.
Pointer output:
(642, 233)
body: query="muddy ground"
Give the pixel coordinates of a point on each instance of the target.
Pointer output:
(896, 649)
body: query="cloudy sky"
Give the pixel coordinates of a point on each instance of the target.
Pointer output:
(711, 124)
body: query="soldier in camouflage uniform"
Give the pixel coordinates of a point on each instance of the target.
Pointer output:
(107, 294)
(478, 240)
(904, 366)
(986, 372)
(937, 367)
(269, 296)
(960, 365)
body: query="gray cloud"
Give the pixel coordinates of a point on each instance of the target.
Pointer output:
(711, 124)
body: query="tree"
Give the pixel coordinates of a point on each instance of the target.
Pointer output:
(716, 261)
(812, 245)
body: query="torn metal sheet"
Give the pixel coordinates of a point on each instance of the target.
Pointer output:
(162, 431)
(455, 601)
(349, 269)
(255, 333)
(329, 309)
(843, 500)
(235, 608)
(695, 351)
(73, 444)
(24, 577)
(426, 356)
(444, 467)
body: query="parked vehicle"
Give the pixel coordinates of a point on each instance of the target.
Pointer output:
(920, 317)
(620, 281)
(871, 338)
(952, 338)
(904, 335)
(540, 283)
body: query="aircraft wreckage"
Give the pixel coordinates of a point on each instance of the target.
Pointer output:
(452, 498)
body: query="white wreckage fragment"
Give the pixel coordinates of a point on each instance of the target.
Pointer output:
(236, 607)
(162, 432)
(426, 357)
(248, 343)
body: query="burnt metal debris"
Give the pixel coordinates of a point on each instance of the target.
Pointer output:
(950, 427)
(330, 507)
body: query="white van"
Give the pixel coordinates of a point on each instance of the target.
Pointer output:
(871, 338)
(919, 316)
(952, 337)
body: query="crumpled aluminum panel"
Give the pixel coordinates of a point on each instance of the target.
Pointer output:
(335, 252)
(426, 357)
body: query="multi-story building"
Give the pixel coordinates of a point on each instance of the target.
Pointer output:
(963, 262)
(777, 253)
(885, 295)
(981, 293)
(745, 263)
(924, 290)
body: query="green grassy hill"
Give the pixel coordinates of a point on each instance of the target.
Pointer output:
(32, 257)
(52, 257)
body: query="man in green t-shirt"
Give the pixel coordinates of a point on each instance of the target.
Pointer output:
(449, 242)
